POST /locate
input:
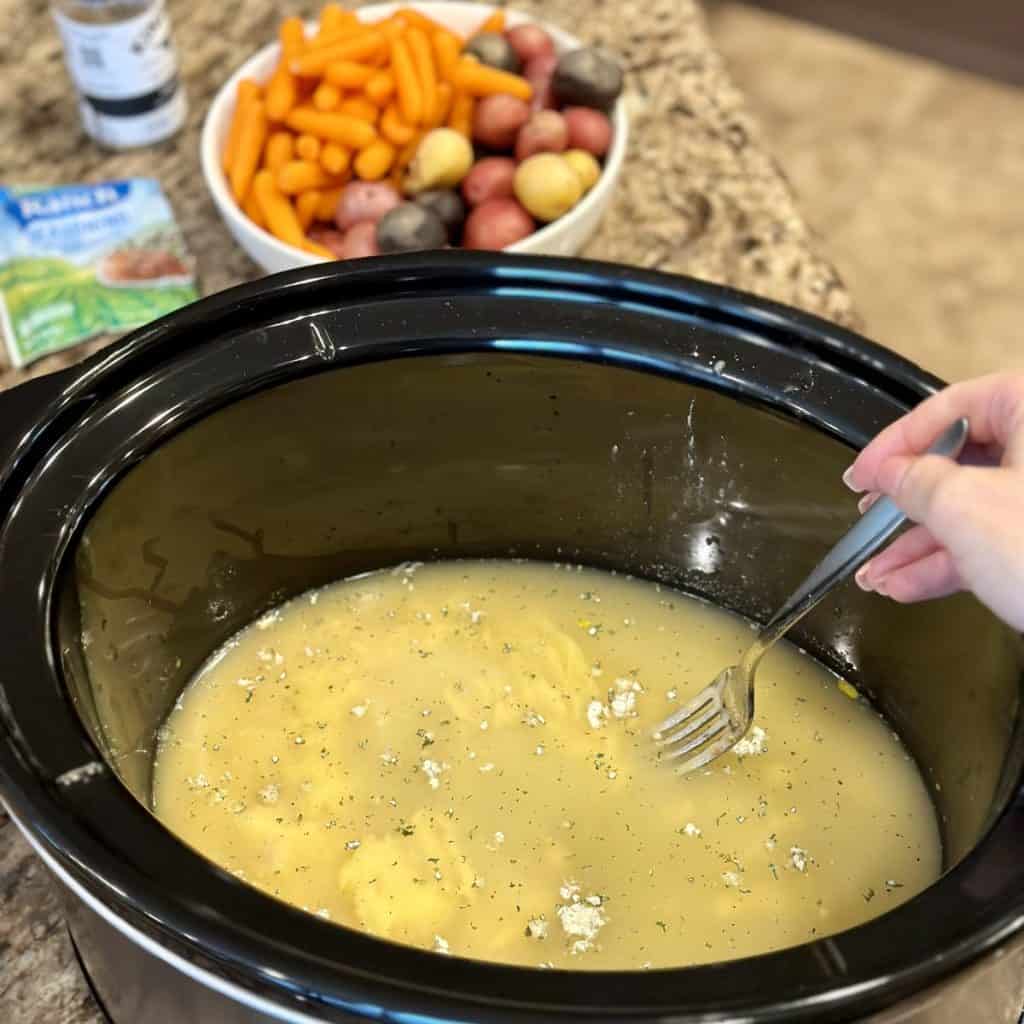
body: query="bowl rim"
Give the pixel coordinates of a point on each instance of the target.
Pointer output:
(222, 106)
(277, 957)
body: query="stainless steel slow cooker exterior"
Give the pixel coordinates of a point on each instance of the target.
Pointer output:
(341, 418)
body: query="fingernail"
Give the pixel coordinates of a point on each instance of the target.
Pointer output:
(861, 577)
(866, 502)
(848, 480)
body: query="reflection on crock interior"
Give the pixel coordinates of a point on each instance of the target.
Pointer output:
(457, 756)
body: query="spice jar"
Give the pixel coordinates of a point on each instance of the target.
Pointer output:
(122, 61)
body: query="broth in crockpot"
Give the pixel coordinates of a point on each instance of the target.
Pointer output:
(457, 756)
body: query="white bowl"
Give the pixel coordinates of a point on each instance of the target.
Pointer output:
(563, 237)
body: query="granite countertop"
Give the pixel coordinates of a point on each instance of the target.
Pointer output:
(700, 195)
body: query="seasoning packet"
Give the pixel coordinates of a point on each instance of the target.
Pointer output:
(79, 260)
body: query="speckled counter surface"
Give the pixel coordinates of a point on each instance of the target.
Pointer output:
(701, 195)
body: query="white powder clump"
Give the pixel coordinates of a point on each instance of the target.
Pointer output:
(537, 928)
(269, 794)
(596, 714)
(731, 879)
(359, 710)
(798, 858)
(581, 919)
(432, 770)
(623, 698)
(751, 744)
(441, 945)
(691, 830)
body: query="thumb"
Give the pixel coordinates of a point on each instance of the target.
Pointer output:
(914, 482)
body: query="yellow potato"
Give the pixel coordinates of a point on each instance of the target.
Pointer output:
(442, 160)
(547, 186)
(585, 165)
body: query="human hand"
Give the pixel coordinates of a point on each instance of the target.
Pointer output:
(970, 516)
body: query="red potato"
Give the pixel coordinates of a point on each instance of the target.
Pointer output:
(490, 178)
(360, 240)
(530, 41)
(496, 224)
(545, 132)
(365, 200)
(329, 238)
(497, 120)
(539, 73)
(588, 129)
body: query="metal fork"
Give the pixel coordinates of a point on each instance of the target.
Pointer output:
(720, 715)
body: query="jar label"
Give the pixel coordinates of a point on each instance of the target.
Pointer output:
(126, 76)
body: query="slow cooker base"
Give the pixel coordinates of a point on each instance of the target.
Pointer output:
(133, 986)
(88, 978)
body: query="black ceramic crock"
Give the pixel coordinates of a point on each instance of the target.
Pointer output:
(347, 417)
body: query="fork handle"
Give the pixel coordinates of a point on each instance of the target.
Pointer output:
(866, 536)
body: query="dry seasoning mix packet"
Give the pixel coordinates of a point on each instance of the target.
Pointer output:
(78, 260)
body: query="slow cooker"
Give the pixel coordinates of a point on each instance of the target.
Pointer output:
(341, 418)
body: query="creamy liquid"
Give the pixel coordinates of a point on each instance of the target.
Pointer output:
(458, 756)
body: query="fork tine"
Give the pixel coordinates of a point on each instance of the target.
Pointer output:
(709, 693)
(693, 723)
(720, 746)
(714, 730)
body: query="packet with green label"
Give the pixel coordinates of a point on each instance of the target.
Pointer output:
(78, 260)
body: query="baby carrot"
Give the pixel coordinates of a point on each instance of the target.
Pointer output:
(410, 102)
(423, 61)
(333, 18)
(326, 96)
(446, 52)
(461, 115)
(278, 150)
(334, 159)
(299, 175)
(332, 127)
(328, 203)
(277, 210)
(494, 22)
(250, 146)
(348, 74)
(281, 94)
(252, 210)
(393, 128)
(443, 95)
(357, 48)
(417, 18)
(375, 161)
(281, 89)
(307, 147)
(480, 80)
(247, 90)
(393, 27)
(361, 107)
(349, 29)
(292, 35)
(305, 207)
(380, 87)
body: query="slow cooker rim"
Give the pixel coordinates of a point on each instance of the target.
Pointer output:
(51, 829)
